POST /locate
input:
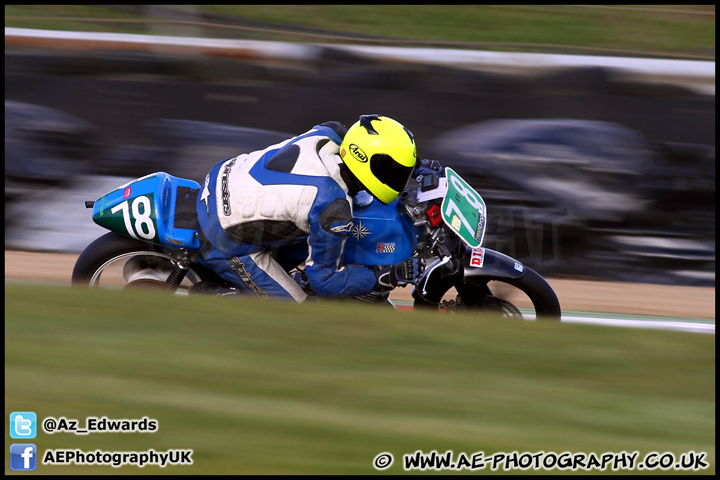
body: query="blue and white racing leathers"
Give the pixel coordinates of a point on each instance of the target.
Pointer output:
(287, 193)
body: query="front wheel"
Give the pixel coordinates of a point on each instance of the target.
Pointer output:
(531, 292)
(116, 261)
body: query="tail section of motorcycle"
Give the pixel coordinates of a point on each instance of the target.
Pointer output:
(158, 208)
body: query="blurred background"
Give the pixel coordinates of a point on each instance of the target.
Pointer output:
(588, 130)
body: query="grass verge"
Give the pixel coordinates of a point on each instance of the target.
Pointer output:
(257, 387)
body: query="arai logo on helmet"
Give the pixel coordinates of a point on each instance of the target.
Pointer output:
(358, 153)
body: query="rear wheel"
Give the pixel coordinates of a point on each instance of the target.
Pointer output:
(119, 262)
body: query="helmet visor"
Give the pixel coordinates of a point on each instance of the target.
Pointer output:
(390, 172)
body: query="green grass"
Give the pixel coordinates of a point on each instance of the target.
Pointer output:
(276, 388)
(649, 29)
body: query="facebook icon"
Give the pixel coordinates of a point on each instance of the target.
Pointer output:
(23, 456)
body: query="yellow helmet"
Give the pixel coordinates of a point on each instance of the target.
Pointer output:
(381, 153)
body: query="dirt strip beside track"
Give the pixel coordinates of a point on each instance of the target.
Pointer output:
(582, 295)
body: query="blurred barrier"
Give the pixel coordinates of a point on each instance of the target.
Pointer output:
(591, 198)
(688, 73)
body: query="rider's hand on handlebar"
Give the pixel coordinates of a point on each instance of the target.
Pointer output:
(428, 167)
(391, 276)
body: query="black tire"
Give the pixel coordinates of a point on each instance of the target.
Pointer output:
(538, 290)
(541, 294)
(112, 246)
(102, 250)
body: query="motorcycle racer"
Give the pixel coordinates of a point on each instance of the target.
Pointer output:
(301, 190)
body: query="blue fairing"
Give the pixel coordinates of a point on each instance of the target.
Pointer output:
(381, 235)
(123, 210)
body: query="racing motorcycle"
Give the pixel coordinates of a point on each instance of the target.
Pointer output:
(439, 219)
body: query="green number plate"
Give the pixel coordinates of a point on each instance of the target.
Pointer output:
(134, 217)
(463, 210)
